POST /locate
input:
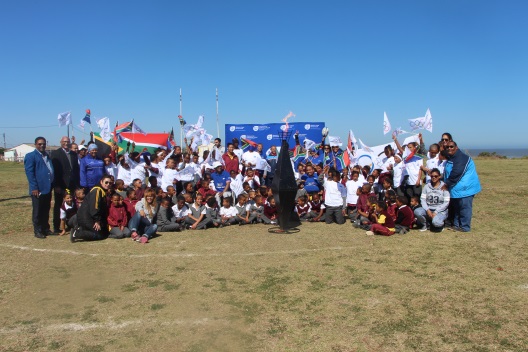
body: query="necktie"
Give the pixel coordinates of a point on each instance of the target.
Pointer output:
(69, 158)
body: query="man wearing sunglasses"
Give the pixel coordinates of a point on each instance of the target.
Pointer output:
(40, 175)
(461, 179)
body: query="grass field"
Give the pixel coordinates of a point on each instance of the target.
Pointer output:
(326, 288)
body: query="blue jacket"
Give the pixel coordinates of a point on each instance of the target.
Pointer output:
(91, 171)
(460, 175)
(38, 174)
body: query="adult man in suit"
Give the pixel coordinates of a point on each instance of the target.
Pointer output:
(40, 174)
(66, 168)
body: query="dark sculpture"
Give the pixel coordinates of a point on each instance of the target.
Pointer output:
(284, 187)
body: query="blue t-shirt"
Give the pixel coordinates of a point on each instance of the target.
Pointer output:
(220, 179)
(311, 183)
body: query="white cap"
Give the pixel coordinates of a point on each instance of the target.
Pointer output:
(82, 147)
(216, 164)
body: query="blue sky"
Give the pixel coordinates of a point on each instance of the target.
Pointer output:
(342, 62)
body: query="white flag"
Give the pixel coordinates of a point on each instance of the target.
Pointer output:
(64, 119)
(428, 121)
(398, 131)
(386, 124)
(308, 144)
(422, 123)
(334, 141)
(104, 125)
(365, 147)
(81, 124)
(137, 129)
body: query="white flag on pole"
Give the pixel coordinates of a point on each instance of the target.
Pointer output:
(137, 129)
(422, 123)
(386, 124)
(64, 119)
(428, 121)
(365, 147)
(334, 141)
(104, 125)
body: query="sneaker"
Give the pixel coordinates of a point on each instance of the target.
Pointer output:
(273, 222)
(72, 234)
(423, 228)
(143, 240)
(369, 233)
(134, 236)
(40, 235)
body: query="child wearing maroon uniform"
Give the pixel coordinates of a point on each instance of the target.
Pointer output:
(302, 208)
(316, 209)
(118, 218)
(404, 215)
(270, 210)
(130, 203)
(384, 225)
(392, 207)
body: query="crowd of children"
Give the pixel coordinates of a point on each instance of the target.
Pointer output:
(185, 191)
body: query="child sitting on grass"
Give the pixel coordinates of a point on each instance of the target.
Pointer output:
(180, 211)
(118, 218)
(302, 208)
(384, 225)
(270, 210)
(196, 217)
(166, 219)
(404, 215)
(317, 209)
(228, 213)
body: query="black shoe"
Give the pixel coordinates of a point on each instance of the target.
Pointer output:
(48, 232)
(40, 235)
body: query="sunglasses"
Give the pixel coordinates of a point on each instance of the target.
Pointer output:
(445, 139)
(435, 176)
(451, 147)
(107, 183)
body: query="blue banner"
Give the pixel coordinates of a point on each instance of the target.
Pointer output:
(268, 133)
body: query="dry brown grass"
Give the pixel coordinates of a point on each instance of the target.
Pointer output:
(327, 288)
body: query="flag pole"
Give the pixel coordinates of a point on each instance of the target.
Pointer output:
(181, 127)
(217, 124)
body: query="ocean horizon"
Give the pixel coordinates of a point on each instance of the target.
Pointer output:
(507, 152)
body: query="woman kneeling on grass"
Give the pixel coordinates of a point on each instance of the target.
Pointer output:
(92, 214)
(143, 223)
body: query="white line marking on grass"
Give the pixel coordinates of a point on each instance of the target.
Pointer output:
(176, 255)
(107, 325)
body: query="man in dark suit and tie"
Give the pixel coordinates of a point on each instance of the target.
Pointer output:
(40, 174)
(66, 168)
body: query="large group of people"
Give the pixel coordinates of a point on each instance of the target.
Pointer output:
(135, 194)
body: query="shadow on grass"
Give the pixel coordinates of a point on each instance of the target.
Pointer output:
(13, 198)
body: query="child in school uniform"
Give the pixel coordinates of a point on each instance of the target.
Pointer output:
(228, 213)
(212, 213)
(120, 188)
(353, 186)
(300, 190)
(270, 210)
(317, 209)
(392, 207)
(196, 217)
(180, 211)
(302, 208)
(404, 215)
(68, 210)
(384, 224)
(243, 215)
(415, 204)
(257, 210)
(165, 219)
(118, 218)
(130, 203)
